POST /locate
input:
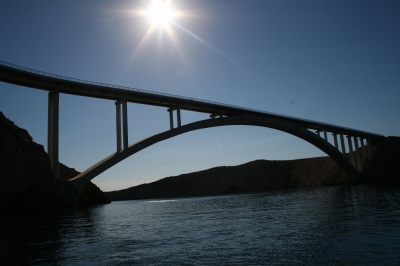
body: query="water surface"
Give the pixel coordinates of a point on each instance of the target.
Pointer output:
(357, 225)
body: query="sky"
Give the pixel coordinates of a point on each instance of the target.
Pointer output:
(336, 62)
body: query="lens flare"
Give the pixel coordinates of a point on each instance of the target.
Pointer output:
(164, 19)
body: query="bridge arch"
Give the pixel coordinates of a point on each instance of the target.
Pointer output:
(245, 119)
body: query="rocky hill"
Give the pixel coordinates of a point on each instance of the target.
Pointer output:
(254, 176)
(26, 179)
(383, 164)
(90, 194)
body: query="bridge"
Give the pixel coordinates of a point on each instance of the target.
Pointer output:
(313, 132)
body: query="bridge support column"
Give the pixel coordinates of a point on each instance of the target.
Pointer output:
(125, 123)
(171, 118)
(118, 117)
(317, 131)
(342, 144)
(124, 127)
(178, 116)
(369, 146)
(351, 154)
(325, 136)
(53, 130)
(363, 148)
(334, 135)
(357, 149)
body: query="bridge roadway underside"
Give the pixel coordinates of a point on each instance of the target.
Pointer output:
(244, 119)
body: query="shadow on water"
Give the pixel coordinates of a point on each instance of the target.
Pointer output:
(41, 237)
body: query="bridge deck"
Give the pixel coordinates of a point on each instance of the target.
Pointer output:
(18, 75)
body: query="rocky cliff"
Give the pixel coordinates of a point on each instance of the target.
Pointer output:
(383, 164)
(90, 194)
(26, 179)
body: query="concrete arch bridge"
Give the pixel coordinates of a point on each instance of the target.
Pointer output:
(313, 132)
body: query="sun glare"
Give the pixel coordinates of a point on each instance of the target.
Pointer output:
(160, 12)
(165, 19)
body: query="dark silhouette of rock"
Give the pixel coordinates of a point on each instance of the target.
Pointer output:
(90, 194)
(218, 180)
(254, 176)
(381, 165)
(26, 178)
(314, 172)
(384, 162)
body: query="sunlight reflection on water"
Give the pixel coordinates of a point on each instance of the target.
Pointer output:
(158, 201)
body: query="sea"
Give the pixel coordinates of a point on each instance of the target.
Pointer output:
(338, 225)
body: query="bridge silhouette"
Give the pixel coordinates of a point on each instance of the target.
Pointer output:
(313, 132)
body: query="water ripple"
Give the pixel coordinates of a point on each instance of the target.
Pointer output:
(357, 225)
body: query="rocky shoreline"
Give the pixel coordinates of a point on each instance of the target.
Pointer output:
(26, 178)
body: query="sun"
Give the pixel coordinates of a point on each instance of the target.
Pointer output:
(165, 20)
(160, 12)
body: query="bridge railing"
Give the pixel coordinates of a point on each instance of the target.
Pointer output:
(168, 95)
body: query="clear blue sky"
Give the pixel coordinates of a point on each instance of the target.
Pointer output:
(331, 61)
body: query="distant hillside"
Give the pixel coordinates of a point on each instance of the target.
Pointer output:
(254, 176)
(382, 164)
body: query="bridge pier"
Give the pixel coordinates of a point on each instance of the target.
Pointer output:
(342, 144)
(124, 124)
(325, 136)
(357, 149)
(171, 118)
(351, 154)
(369, 146)
(118, 114)
(53, 131)
(178, 115)
(363, 148)
(334, 135)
